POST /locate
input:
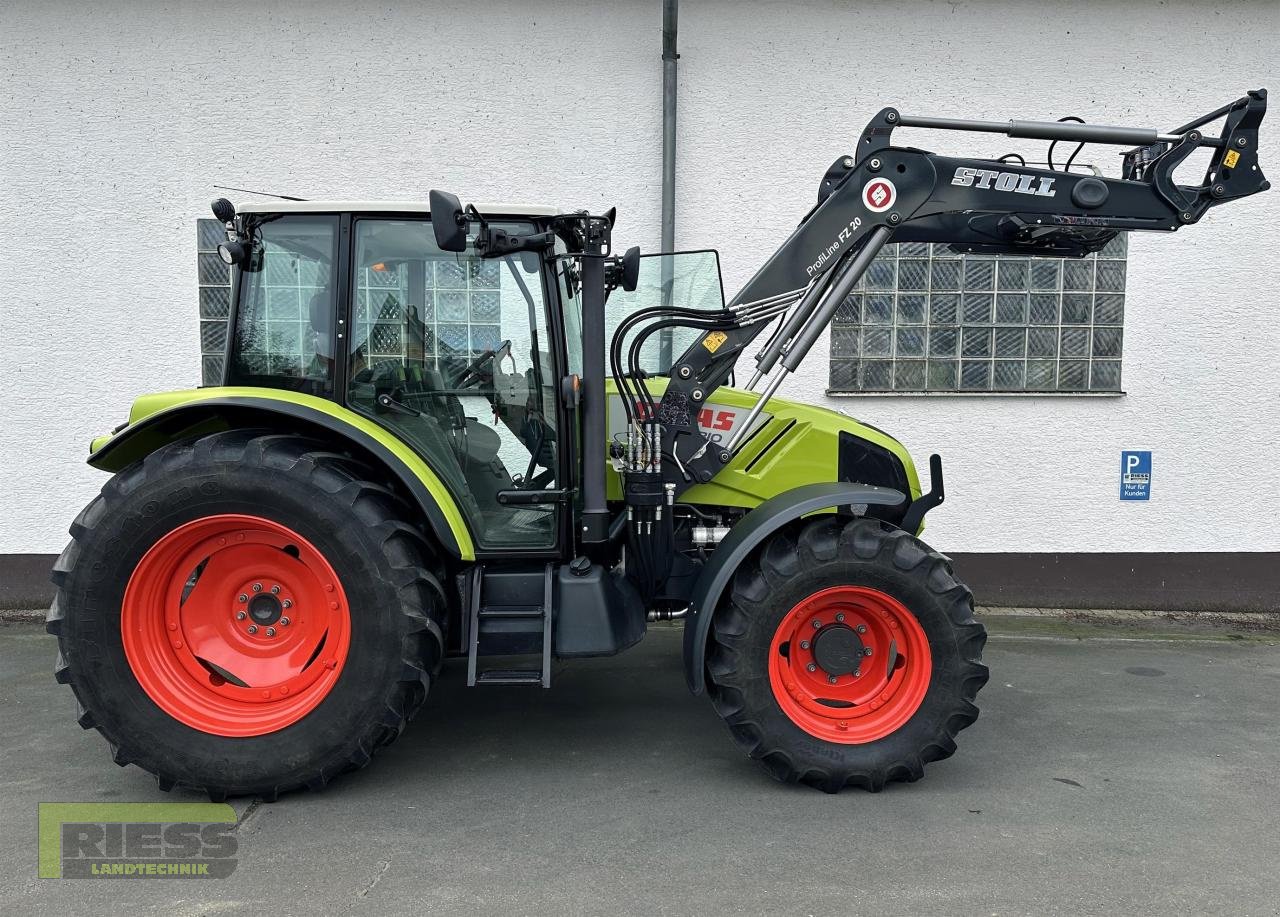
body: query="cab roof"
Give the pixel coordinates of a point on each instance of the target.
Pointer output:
(280, 206)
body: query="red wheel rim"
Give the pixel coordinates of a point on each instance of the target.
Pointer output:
(235, 625)
(849, 707)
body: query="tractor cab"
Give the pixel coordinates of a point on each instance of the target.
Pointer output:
(468, 356)
(459, 356)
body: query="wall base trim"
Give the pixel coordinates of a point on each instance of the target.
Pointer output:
(1183, 581)
(24, 580)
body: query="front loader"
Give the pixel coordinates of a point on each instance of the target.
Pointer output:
(479, 432)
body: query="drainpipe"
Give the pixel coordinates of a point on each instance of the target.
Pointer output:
(670, 12)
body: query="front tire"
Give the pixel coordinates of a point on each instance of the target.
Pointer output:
(846, 653)
(246, 614)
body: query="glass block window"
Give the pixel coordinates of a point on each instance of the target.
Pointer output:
(461, 309)
(925, 319)
(214, 278)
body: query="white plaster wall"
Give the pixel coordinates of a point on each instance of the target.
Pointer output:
(117, 119)
(115, 123)
(767, 108)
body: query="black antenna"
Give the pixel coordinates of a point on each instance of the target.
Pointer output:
(283, 197)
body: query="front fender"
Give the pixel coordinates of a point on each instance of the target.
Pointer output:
(156, 420)
(745, 537)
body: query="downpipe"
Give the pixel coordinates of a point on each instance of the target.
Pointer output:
(670, 18)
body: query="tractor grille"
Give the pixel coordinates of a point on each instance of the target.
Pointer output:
(865, 462)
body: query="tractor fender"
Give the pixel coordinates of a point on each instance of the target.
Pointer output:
(207, 412)
(747, 535)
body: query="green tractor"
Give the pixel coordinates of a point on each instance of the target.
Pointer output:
(479, 432)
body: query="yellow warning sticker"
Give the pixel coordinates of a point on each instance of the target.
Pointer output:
(1231, 159)
(713, 340)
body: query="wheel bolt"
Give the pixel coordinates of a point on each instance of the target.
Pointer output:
(287, 603)
(240, 615)
(252, 628)
(857, 673)
(271, 631)
(275, 590)
(257, 587)
(840, 617)
(867, 651)
(816, 623)
(861, 628)
(804, 644)
(811, 667)
(831, 679)
(284, 622)
(243, 597)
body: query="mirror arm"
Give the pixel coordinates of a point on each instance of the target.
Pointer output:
(494, 243)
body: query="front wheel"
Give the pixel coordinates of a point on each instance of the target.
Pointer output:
(846, 653)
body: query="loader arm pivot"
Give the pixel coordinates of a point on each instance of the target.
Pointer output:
(885, 193)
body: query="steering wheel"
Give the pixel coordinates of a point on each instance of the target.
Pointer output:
(473, 368)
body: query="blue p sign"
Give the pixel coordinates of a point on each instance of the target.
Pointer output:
(1135, 475)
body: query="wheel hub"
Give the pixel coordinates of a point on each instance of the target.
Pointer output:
(265, 609)
(837, 650)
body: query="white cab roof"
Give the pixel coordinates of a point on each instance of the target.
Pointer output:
(271, 205)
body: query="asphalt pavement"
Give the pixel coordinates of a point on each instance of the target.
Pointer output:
(1111, 772)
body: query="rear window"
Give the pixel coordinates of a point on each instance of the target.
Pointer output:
(284, 324)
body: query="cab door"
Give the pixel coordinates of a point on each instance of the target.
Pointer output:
(455, 354)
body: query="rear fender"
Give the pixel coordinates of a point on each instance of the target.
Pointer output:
(157, 420)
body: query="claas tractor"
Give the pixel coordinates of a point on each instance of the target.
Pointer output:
(479, 431)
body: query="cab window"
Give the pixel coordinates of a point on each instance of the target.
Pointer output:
(283, 331)
(452, 353)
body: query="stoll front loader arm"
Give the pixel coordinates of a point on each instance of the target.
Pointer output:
(879, 195)
(886, 194)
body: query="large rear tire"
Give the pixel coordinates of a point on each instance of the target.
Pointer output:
(247, 614)
(846, 653)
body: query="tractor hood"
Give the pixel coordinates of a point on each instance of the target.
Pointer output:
(791, 444)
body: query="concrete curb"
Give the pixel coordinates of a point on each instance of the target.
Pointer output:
(1263, 621)
(1024, 620)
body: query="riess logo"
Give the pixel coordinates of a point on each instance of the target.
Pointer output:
(879, 194)
(164, 840)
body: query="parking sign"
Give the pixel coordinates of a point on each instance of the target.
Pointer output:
(1135, 475)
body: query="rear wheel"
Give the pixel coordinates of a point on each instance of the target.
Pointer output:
(246, 613)
(846, 654)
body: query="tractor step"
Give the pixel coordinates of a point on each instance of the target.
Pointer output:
(503, 606)
(509, 677)
(511, 611)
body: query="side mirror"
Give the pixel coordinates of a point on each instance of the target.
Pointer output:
(631, 269)
(447, 221)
